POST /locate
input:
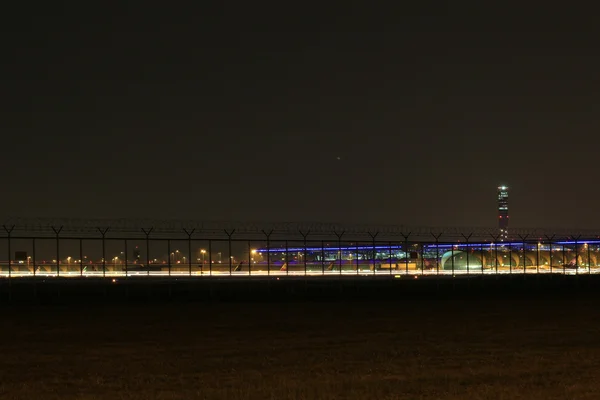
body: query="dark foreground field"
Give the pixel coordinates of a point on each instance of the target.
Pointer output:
(489, 349)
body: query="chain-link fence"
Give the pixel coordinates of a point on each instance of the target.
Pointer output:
(182, 248)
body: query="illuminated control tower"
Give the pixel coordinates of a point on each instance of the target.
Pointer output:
(503, 212)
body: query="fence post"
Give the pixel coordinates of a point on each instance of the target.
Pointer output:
(407, 253)
(126, 263)
(322, 257)
(390, 255)
(577, 254)
(422, 259)
(467, 237)
(57, 232)
(452, 255)
(510, 257)
(339, 236)
(496, 253)
(357, 260)
(373, 236)
(524, 256)
(495, 239)
(34, 258)
(103, 233)
(287, 259)
(229, 235)
(537, 257)
(550, 238)
(8, 232)
(481, 252)
(304, 235)
(189, 234)
(169, 256)
(147, 233)
(437, 251)
(268, 236)
(209, 259)
(249, 258)
(564, 258)
(81, 257)
(589, 258)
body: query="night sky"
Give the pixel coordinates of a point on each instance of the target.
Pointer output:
(292, 113)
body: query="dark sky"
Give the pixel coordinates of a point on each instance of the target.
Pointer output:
(236, 112)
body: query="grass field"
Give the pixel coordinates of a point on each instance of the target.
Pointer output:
(491, 349)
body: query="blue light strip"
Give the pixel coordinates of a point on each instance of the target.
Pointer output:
(348, 248)
(393, 247)
(487, 244)
(580, 242)
(428, 246)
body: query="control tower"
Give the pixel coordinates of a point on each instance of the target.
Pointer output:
(503, 211)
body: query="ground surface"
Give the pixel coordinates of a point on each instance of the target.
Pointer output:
(490, 349)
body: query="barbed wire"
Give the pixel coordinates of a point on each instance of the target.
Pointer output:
(140, 227)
